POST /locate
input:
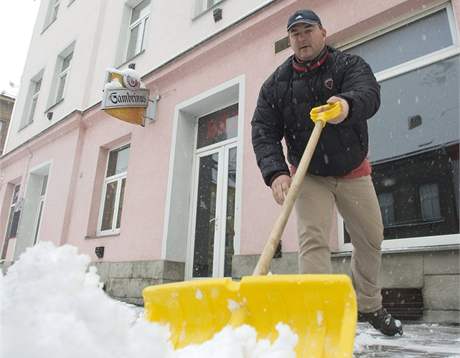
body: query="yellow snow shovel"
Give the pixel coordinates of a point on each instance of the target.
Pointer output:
(320, 309)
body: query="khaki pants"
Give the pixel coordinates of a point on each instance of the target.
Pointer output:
(357, 203)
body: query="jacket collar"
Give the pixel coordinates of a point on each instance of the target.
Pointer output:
(300, 66)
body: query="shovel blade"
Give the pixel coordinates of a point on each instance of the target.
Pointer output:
(320, 309)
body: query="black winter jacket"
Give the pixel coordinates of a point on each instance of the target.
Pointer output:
(283, 108)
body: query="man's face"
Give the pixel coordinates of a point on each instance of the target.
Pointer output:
(307, 41)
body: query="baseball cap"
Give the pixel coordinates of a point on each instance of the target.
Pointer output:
(303, 17)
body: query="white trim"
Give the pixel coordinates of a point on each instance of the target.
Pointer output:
(192, 219)
(219, 213)
(48, 164)
(221, 209)
(118, 178)
(10, 212)
(58, 73)
(417, 63)
(407, 243)
(217, 145)
(172, 154)
(38, 219)
(50, 18)
(36, 170)
(180, 109)
(239, 164)
(63, 75)
(27, 116)
(142, 34)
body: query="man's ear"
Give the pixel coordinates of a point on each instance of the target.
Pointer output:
(323, 31)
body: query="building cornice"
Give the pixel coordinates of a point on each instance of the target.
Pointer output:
(67, 124)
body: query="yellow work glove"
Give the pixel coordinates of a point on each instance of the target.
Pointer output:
(334, 112)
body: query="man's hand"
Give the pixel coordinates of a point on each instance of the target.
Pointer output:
(280, 187)
(343, 114)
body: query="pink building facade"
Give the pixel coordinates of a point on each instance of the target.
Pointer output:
(182, 197)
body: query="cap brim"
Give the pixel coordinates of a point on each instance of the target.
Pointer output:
(302, 21)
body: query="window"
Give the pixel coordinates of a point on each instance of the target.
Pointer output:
(416, 39)
(414, 137)
(53, 10)
(138, 28)
(386, 202)
(203, 5)
(210, 3)
(40, 207)
(34, 93)
(13, 220)
(113, 191)
(218, 126)
(62, 76)
(429, 202)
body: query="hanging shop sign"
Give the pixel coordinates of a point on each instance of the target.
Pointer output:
(125, 97)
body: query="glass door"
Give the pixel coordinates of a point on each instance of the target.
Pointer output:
(211, 243)
(214, 229)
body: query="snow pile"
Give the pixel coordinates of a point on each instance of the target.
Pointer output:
(51, 305)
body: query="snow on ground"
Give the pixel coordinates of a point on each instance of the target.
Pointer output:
(51, 305)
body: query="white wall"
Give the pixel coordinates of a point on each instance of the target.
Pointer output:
(99, 29)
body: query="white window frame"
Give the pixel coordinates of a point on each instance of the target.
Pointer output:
(222, 148)
(202, 6)
(425, 60)
(107, 180)
(177, 218)
(63, 76)
(41, 204)
(142, 35)
(35, 95)
(11, 211)
(32, 100)
(52, 13)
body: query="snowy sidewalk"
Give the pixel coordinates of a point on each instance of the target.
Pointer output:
(419, 340)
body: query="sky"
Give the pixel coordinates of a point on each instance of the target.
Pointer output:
(17, 19)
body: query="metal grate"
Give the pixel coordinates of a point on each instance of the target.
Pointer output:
(403, 303)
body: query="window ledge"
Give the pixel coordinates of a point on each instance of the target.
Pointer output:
(25, 126)
(47, 26)
(54, 105)
(411, 250)
(103, 236)
(130, 59)
(197, 16)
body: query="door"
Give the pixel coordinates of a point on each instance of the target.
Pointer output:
(211, 243)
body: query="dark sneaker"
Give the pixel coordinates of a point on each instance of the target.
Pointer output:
(382, 321)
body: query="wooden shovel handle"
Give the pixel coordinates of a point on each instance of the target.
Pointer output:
(265, 259)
